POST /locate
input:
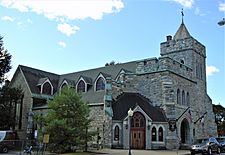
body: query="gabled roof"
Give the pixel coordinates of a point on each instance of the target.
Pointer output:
(35, 76)
(105, 75)
(88, 80)
(41, 81)
(112, 71)
(70, 82)
(126, 100)
(182, 33)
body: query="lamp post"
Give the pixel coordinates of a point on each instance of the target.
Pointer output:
(130, 114)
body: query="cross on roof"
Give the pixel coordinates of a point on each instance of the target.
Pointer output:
(182, 14)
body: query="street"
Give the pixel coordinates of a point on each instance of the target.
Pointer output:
(146, 152)
(124, 152)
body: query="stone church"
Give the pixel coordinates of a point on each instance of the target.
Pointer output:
(168, 97)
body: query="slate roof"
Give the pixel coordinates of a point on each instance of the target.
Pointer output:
(35, 77)
(112, 71)
(92, 96)
(41, 81)
(70, 82)
(128, 100)
(88, 80)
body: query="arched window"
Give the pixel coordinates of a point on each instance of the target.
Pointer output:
(138, 120)
(160, 134)
(100, 84)
(117, 133)
(47, 89)
(188, 99)
(178, 96)
(183, 98)
(154, 134)
(81, 86)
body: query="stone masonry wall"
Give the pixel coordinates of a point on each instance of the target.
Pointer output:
(161, 88)
(162, 64)
(27, 102)
(182, 45)
(98, 124)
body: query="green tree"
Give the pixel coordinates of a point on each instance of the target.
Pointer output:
(5, 61)
(67, 121)
(9, 98)
(219, 111)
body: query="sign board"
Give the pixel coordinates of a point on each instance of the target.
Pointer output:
(46, 138)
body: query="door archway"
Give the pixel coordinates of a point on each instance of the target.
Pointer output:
(185, 132)
(138, 126)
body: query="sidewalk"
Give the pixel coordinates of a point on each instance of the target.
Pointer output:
(142, 152)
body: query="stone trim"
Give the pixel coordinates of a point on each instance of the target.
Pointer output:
(25, 80)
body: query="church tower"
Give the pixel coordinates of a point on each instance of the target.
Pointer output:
(186, 50)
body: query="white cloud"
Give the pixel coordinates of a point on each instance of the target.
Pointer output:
(66, 9)
(67, 29)
(62, 44)
(19, 23)
(185, 3)
(8, 18)
(29, 21)
(210, 70)
(198, 12)
(222, 6)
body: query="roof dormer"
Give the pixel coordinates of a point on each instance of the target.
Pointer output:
(121, 75)
(83, 84)
(63, 85)
(100, 82)
(45, 86)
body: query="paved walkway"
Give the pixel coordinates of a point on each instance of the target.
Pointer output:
(142, 152)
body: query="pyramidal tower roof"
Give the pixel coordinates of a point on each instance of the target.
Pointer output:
(182, 32)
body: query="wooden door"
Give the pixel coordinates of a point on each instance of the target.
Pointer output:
(138, 139)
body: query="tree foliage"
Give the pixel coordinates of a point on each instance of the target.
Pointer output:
(67, 120)
(5, 61)
(219, 111)
(9, 97)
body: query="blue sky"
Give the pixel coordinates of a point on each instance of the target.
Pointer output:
(63, 36)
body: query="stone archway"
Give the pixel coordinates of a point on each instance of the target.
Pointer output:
(185, 132)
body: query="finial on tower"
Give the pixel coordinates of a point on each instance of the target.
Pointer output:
(182, 14)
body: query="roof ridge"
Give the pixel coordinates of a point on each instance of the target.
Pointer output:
(98, 68)
(27, 67)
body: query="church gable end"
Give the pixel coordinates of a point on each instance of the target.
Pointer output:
(131, 100)
(34, 77)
